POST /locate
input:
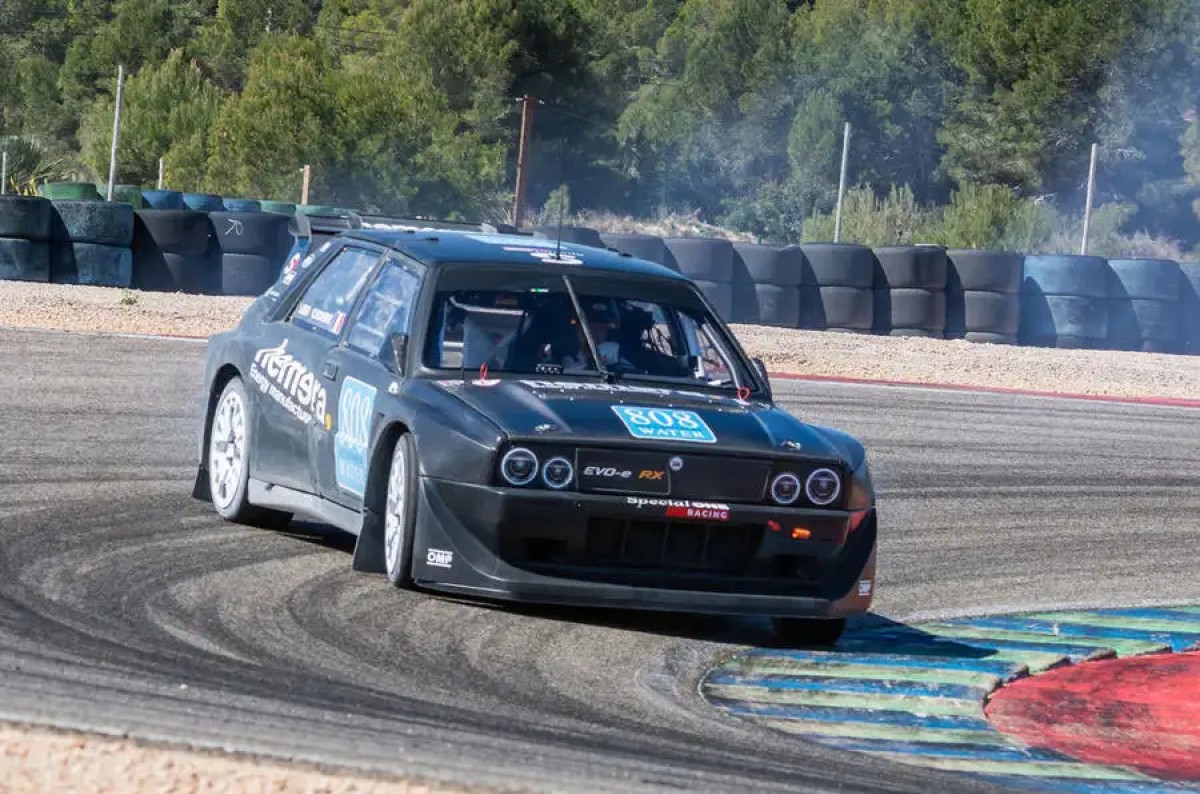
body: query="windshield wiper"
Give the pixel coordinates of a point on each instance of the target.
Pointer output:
(605, 375)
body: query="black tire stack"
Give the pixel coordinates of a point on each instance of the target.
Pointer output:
(709, 263)
(1064, 302)
(983, 302)
(837, 290)
(176, 251)
(1144, 307)
(25, 233)
(766, 284)
(252, 247)
(580, 235)
(910, 291)
(1189, 306)
(92, 242)
(640, 246)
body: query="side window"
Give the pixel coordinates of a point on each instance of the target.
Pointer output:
(328, 300)
(386, 310)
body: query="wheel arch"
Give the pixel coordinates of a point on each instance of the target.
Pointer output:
(368, 550)
(221, 379)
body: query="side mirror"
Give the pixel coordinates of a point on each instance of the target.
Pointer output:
(398, 343)
(762, 373)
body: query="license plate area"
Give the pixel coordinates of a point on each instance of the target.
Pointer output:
(619, 471)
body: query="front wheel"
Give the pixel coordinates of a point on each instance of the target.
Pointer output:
(229, 461)
(808, 631)
(400, 515)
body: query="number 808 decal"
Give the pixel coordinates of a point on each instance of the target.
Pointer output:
(664, 424)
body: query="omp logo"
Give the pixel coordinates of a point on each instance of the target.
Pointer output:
(607, 472)
(288, 382)
(356, 404)
(439, 558)
(650, 474)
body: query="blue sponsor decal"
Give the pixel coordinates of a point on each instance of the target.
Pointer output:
(664, 424)
(356, 404)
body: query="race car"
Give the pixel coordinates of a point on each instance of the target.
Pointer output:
(516, 419)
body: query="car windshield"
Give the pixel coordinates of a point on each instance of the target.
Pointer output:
(530, 325)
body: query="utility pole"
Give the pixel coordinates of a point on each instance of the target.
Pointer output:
(3, 172)
(304, 189)
(160, 173)
(112, 160)
(1087, 210)
(527, 103)
(837, 223)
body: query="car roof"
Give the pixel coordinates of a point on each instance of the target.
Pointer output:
(435, 247)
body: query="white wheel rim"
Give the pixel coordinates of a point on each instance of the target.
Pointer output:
(227, 449)
(397, 512)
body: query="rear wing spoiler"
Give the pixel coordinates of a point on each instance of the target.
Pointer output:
(304, 225)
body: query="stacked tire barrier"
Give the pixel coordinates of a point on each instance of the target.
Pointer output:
(69, 191)
(25, 233)
(1144, 307)
(709, 263)
(92, 243)
(203, 202)
(641, 246)
(252, 245)
(1064, 302)
(163, 199)
(983, 302)
(837, 291)
(176, 251)
(766, 284)
(910, 291)
(580, 235)
(1189, 306)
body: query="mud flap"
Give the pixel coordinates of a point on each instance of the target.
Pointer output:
(368, 549)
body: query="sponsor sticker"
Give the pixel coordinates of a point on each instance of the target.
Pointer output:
(606, 388)
(439, 558)
(664, 424)
(288, 382)
(356, 405)
(864, 587)
(683, 508)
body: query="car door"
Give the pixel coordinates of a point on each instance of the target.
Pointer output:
(293, 392)
(361, 367)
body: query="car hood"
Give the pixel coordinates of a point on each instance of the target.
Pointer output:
(585, 410)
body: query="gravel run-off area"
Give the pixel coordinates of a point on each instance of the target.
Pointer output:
(35, 760)
(784, 350)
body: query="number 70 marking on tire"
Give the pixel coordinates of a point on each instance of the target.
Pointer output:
(664, 424)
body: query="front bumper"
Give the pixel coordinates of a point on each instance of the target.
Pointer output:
(601, 550)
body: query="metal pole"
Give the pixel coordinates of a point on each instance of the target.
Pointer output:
(112, 162)
(1087, 210)
(160, 173)
(837, 222)
(3, 172)
(304, 189)
(523, 158)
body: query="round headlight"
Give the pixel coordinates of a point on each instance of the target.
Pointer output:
(557, 472)
(823, 487)
(785, 488)
(519, 466)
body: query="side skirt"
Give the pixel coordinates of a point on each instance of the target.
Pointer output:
(277, 497)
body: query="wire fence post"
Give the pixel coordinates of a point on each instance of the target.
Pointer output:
(3, 172)
(160, 173)
(1087, 210)
(112, 160)
(837, 221)
(304, 187)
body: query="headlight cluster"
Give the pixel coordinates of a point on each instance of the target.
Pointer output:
(521, 466)
(821, 487)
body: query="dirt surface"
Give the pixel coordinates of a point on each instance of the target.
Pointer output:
(934, 361)
(37, 760)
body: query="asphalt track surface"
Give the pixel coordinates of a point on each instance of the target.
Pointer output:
(128, 607)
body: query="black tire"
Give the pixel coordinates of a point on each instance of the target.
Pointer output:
(1080, 276)
(1145, 279)
(93, 265)
(246, 274)
(838, 265)
(640, 246)
(808, 632)
(203, 202)
(771, 264)
(279, 207)
(991, 312)
(833, 308)
(239, 510)
(69, 191)
(257, 233)
(990, 339)
(398, 556)
(721, 296)
(25, 217)
(1069, 316)
(1062, 342)
(129, 194)
(702, 259)
(241, 205)
(174, 231)
(97, 222)
(195, 275)
(24, 260)
(917, 333)
(921, 267)
(1189, 305)
(163, 199)
(580, 235)
(776, 305)
(918, 309)
(987, 271)
(1146, 325)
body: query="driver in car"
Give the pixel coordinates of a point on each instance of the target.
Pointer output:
(603, 323)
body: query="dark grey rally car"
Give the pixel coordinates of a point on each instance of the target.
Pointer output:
(503, 417)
